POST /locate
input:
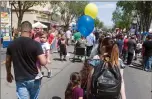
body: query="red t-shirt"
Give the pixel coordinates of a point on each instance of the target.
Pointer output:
(50, 38)
(125, 46)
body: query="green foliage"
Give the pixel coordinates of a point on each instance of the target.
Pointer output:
(70, 10)
(121, 19)
(142, 9)
(98, 23)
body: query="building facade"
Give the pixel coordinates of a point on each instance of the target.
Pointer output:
(35, 14)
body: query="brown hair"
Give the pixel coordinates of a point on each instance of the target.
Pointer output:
(75, 80)
(84, 74)
(44, 33)
(108, 46)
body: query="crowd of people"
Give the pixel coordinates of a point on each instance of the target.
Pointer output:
(102, 74)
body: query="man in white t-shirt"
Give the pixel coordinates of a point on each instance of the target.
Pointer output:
(68, 36)
(90, 43)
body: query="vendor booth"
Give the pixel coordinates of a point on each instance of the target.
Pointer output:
(5, 26)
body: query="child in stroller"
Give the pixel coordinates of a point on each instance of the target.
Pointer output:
(80, 47)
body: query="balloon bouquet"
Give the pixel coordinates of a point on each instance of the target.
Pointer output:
(85, 23)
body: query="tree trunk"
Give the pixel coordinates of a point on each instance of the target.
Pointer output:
(20, 17)
(20, 21)
(66, 27)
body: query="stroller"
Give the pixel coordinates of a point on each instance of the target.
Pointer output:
(79, 51)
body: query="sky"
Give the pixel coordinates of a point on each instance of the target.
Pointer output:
(105, 10)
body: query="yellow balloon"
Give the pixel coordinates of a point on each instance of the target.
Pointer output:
(91, 10)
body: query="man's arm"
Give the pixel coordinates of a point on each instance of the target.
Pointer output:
(8, 64)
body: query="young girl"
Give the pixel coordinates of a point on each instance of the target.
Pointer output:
(62, 47)
(46, 48)
(73, 90)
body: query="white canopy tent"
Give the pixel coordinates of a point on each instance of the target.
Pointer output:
(38, 25)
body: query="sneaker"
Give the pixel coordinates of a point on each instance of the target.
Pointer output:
(39, 75)
(49, 73)
(42, 73)
(148, 70)
(131, 65)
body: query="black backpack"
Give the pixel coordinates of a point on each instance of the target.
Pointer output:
(106, 81)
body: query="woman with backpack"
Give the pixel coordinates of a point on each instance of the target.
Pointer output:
(105, 80)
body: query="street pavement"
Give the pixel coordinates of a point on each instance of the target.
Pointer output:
(2, 55)
(138, 82)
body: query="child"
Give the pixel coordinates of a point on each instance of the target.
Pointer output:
(46, 48)
(62, 47)
(138, 49)
(73, 90)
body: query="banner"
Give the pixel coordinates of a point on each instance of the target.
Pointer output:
(5, 25)
(5, 18)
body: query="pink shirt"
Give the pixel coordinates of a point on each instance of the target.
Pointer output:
(37, 38)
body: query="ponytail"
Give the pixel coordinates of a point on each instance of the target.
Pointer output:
(115, 55)
(68, 91)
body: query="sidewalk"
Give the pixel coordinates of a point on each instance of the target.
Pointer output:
(2, 55)
(8, 90)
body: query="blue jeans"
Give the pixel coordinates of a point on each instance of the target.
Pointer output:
(148, 63)
(54, 44)
(28, 89)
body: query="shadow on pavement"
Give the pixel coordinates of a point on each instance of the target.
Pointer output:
(137, 66)
(57, 59)
(56, 97)
(70, 52)
(75, 60)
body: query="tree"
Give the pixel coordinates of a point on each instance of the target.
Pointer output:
(98, 23)
(142, 9)
(21, 7)
(70, 10)
(121, 19)
(55, 8)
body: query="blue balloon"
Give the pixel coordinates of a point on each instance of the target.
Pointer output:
(85, 25)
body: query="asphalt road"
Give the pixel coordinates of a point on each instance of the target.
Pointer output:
(138, 82)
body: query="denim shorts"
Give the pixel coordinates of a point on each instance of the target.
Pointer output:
(28, 89)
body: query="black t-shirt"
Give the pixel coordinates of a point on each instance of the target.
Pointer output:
(24, 52)
(148, 48)
(131, 45)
